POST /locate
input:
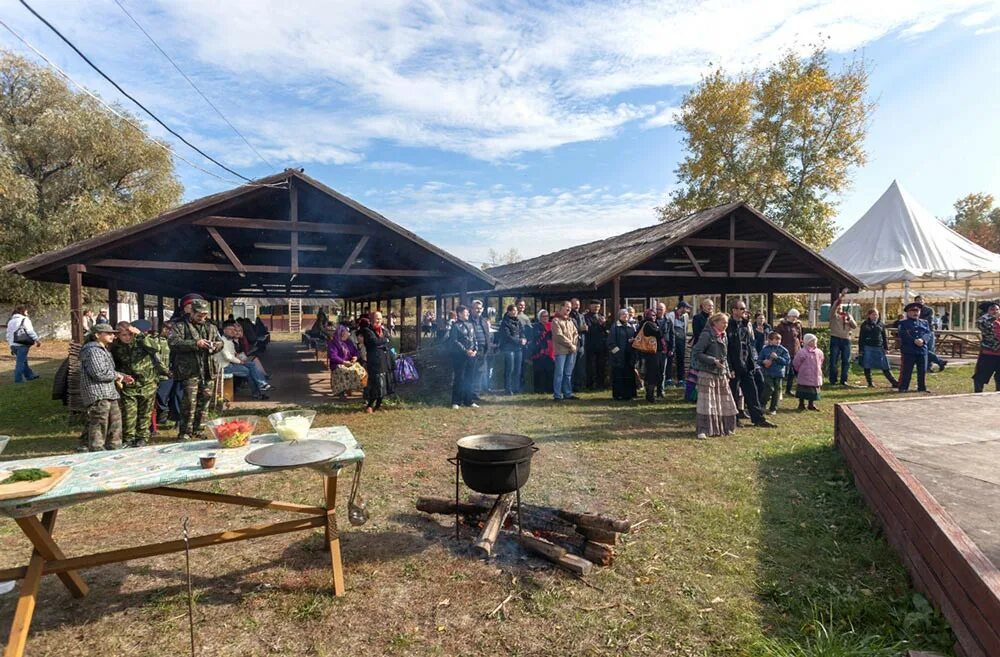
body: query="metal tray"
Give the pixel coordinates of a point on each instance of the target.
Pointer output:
(302, 452)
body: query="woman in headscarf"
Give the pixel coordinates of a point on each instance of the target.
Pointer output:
(378, 365)
(652, 372)
(622, 358)
(716, 410)
(346, 373)
(543, 357)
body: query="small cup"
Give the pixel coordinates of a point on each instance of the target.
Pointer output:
(207, 462)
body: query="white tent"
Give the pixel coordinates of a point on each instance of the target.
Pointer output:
(900, 248)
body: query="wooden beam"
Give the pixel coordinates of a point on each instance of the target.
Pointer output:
(651, 273)
(293, 218)
(420, 319)
(694, 261)
(138, 282)
(729, 244)
(113, 302)
(283, 226)
(616, 297)
(767, 263)
(159, 312)
(235, 261)
(354, 254)
(258, 269)
(140, 304)
(239, 500)
(40, 535)
(76, 301)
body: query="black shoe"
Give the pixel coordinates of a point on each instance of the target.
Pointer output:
(943, 365)
(137, 443)
(766, 424)
(741, 415)
(573, 397)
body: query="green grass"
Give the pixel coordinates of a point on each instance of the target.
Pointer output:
(756, 545)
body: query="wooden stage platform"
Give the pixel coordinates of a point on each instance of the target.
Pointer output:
(929, 467)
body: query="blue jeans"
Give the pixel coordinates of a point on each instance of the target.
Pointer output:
(22, 372)
(252, 375)
(512, 361)
(562, 377)
(840, 351)
(168, 400)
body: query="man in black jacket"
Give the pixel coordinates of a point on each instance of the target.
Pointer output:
(927, 314)
(596, 346)
(462, 344)
(484, 345)
(511, 342)
(699, 321)
(666, 346)
(743, 363)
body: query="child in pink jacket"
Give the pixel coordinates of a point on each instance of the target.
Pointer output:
(808, 364)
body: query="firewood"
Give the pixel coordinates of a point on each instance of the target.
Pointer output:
(557, 555)
(599, 553)
(447, 506)
(595, 521)
(598, 535)
(494, 521)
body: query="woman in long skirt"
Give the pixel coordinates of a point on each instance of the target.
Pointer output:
(874, 342)
(346, 373)
(379, 366)
(715, 409)
(622, 358)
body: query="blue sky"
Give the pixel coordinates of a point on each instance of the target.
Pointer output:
(527, 125)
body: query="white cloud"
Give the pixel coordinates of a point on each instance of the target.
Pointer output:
(315, 81)
(470, 220)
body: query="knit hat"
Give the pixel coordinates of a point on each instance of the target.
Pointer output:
(808, 337)
(102, 328)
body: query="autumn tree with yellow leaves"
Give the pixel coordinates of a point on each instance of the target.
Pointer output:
(783, 139)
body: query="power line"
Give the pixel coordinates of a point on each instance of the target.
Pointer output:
(125, 117)
(191, 82)
(127, 95)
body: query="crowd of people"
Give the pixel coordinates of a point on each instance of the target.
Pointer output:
(133, 375)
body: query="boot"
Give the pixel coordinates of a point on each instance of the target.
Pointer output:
(868, 378)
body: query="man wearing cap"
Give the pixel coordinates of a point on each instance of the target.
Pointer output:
(678, 318)
(914, 334)
(927, 314)
(841, 325)
(193, 341)
(98, 391)
(135, 352)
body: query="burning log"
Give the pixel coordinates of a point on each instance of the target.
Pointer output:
(600, 554)
(598, 535)
(493, 524)
(557, 555)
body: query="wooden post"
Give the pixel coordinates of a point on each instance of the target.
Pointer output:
(463, 292)
(159, 312)
(723, 301)
(76, 301)
(140, 302)
(333, 536)
(113, 302)
(770, 308)
(616, 296)
(420, 319)
(293, 217)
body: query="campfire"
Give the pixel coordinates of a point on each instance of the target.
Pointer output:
(496, 466)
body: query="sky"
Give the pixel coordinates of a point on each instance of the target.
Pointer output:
(523, 125)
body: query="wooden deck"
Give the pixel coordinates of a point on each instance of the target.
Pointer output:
(929, 467)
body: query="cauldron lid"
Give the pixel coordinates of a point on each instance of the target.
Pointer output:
(303, 452)
(494, 441)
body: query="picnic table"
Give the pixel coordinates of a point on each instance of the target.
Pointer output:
(156, 470)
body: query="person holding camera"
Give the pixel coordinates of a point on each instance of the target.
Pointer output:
(841, 325)
(193, 341)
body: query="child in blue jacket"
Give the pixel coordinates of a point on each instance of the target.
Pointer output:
(773, 359)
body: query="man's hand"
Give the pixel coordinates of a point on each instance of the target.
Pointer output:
(767, 362)
(128, 380)
(919, 342)
(202, 343)
(133, 330)
(523, 342)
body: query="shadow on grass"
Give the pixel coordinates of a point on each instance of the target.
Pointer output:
(825, 571)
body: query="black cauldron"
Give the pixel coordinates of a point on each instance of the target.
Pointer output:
(495, 463)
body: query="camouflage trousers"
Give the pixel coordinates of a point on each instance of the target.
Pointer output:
(104, 425)
(137, 413)
(197, 395)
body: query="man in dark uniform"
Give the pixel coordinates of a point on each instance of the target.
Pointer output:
(193, 340)
(914, 335)
(596, 346)
(580, 366)
(927, 314)
(742, 356)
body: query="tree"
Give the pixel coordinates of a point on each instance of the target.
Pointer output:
(977, 219)
(69, 170)
(495, 259)
(783, 139)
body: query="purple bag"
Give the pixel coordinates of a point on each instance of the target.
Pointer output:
(406, 370)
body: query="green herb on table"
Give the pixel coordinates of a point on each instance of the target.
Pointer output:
(27, 474)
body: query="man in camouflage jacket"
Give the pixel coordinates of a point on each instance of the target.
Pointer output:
(134, 352)
(193, 340)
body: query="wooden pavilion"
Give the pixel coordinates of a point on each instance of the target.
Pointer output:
(286, 235)
(725, 249)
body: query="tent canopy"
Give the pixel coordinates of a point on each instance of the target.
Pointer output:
(898, 241)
